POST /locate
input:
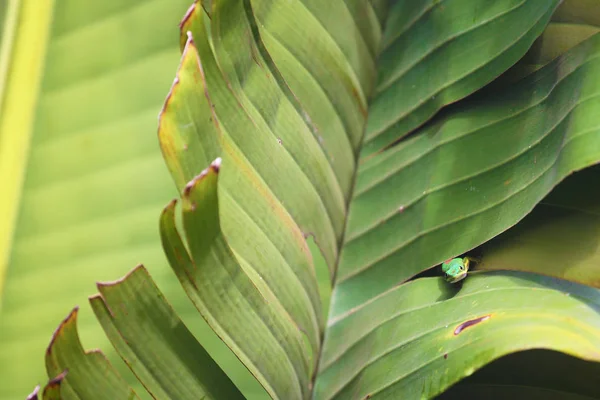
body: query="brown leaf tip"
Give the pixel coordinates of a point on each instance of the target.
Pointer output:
(71, 317)
(170, 208)
(163, 110)
(188, 15)
(34, 394)
(215, 166)
(176, 80)
(59, 378)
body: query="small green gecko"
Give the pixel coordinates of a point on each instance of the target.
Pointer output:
(456, 269)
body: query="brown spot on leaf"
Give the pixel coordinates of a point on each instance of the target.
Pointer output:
(470, 323)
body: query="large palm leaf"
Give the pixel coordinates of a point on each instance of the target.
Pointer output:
(279, 93)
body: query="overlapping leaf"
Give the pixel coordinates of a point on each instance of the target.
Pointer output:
(242, 311)
(539, 244)
(272, 248)
(559, 238)
(572, 22)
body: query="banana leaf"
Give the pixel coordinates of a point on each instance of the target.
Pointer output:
(362, 124)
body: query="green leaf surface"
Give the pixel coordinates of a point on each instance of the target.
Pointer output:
(21, 59)
(252, 95)
(426, 334)
(579, 12)
(380, 7)
(469, 175)
(473, 41)
(228, 79)
(246, 201)
(269, 242)
(155, 343)
(540, 242)
(244, 313)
